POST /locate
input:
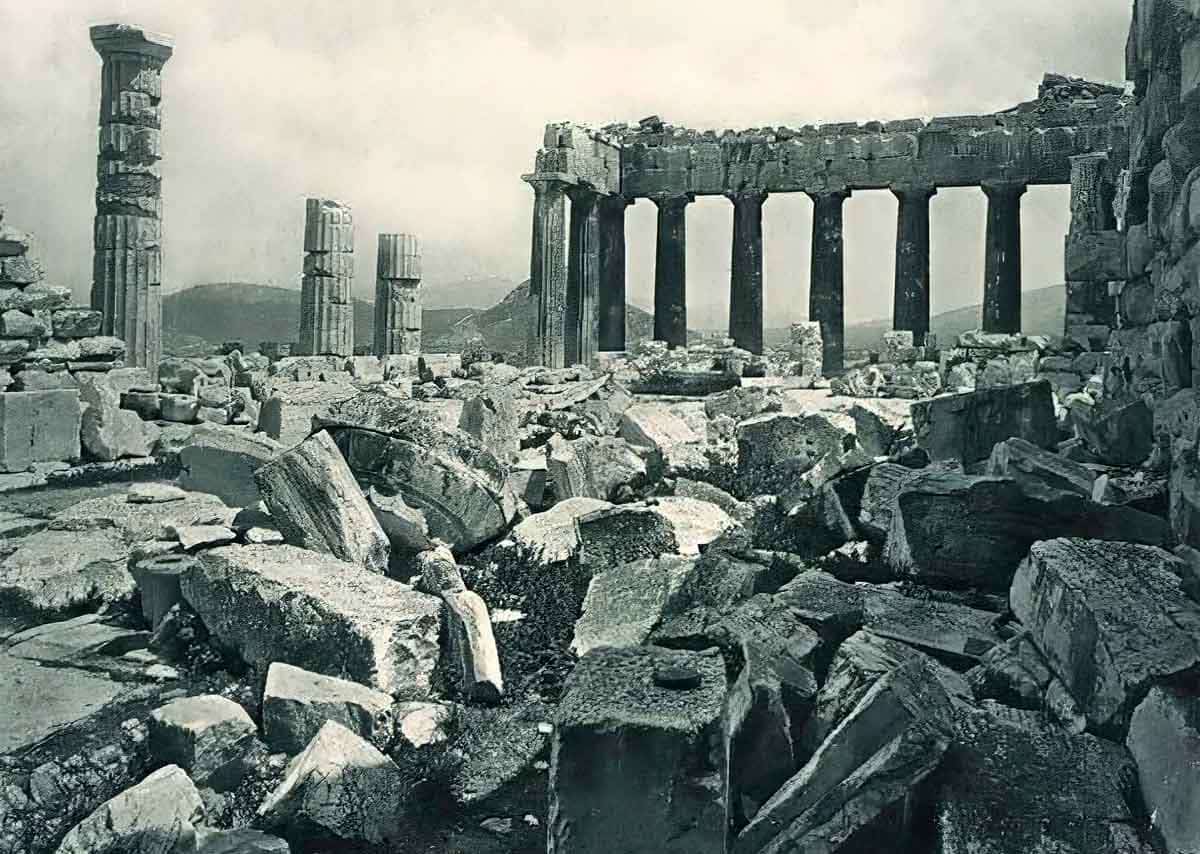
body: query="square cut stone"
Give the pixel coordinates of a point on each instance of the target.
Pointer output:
(38, 426)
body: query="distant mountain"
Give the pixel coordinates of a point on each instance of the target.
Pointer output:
(1043, 312)
(477, 293)
(199, 319)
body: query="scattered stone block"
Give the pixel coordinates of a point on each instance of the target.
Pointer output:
(195, 537)
(109, 432)
(242, 841)
(1011, 782)
(492, 418)
(287, 413)
(592, 467)
(1120, 433)
(405, 527)
(958, 530)
(280, 603)
(624, 604)
(208, 736)
(1037, 469)
(38, 426)
(775, 449)
(633, 766)
(892, 740)
(312, 495)
(76, 322)
(179, 408)
(655, 426)
(420, 724)
(158, 814)
(297, 703)
(340, 786)
(222, 461)
(476, 659)
(967, 426)
(1110, 618)
(1164, 739)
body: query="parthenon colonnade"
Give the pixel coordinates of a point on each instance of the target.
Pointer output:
(577, 275)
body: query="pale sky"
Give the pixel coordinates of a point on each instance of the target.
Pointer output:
(423, 115)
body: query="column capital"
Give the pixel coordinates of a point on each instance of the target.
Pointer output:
(751, 196)
(906, 191)
(615, 201)
(547, 183)
(839, 194)
(672, 201)
(1004, 189)
(126, 38)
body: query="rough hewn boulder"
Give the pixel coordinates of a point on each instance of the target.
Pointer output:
(158, 814)
(280, 603)
(958, 530)
(340, 787)
(632, 765)
(967, 426)
(297, 703)
(1164, 738)
(1111, 619)
(313, 497)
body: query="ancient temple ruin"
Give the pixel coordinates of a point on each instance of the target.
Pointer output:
(578, 281)
(127, 267)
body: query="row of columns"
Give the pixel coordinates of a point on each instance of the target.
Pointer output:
(581, 298)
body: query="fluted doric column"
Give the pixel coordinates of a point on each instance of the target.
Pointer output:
(670, 269)
(127, 262)
(612, 272)
(910, 308)
(547, 273)
(398, 295)
(581, 329)
(1002, 265)
(327, 289)
(826, 290)
(746, 271)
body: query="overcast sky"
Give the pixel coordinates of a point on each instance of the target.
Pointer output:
(423, 115)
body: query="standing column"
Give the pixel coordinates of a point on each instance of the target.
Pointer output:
(826, 289)
(910, 309)
(547, 273)
(1002, 267)
(746, 271)
(612, 272)
(670, 269)
(580, 335)
(326, 305)
(398, 295)
(127, 263)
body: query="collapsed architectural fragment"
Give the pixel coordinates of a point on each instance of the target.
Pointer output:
(127, 264)
(326, 296)
(1050, 140)
(398, 295)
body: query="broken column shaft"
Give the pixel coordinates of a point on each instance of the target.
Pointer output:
(547, 273)
(580, 325)
(826, 290)
(746, 271)
(1002, 266)
(611, 307)
(911, 297)
(127, 263)
(398, 296)
(326, 296)
(670, 270)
